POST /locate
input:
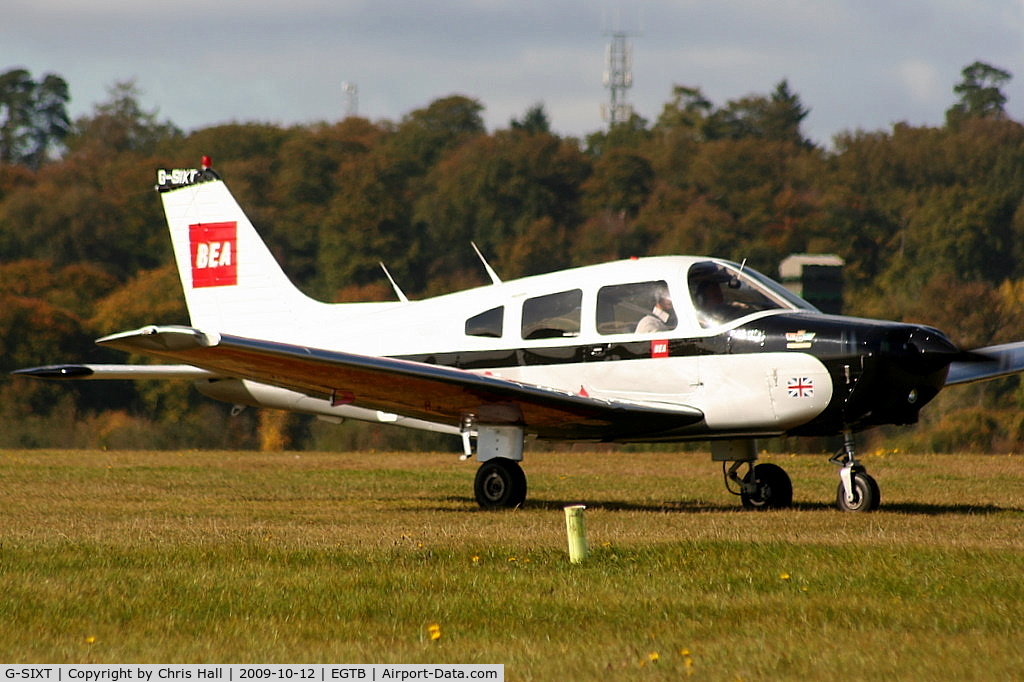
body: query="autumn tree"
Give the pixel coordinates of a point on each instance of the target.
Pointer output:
(98, 210)
(33, 117)
(687, 112)
(514, 194)
(775, 118)
(120, 124)
(425, 134)
(618, 188)
(535, 120)
(980, 92)
(43, 319)
(368, 221)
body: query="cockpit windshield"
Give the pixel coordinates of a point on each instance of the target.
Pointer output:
(723, 292)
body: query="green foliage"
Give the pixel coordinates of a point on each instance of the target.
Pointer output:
(535, 120)
(514, 194)
(121, 125)
(980, 93)
(33, 117)
(775, 118)
(930, 220)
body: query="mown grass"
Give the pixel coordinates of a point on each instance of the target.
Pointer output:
(350, 558)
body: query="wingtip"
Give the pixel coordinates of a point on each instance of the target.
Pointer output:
(56, 372)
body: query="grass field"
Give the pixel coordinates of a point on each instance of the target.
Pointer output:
(234, 557)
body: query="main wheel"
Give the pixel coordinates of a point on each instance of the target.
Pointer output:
(866, 494)
(774, 489)
(500, 482)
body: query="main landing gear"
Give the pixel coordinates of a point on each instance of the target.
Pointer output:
(500, 482)
(857, 490)
(763, 486)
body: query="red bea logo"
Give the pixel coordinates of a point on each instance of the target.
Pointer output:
(214, 250)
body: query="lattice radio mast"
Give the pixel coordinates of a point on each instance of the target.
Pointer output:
(618, 78)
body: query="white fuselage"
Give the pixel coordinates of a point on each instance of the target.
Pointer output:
(739, 394)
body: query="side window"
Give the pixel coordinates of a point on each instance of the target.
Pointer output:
(489, 323)
(552, 316)
(640, 307)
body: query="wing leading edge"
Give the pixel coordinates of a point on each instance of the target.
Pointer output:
(428, 392)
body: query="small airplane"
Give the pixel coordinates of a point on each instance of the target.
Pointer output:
(658, 349)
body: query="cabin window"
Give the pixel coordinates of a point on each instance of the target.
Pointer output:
(640, 307)
(489, 323)
(552, 316)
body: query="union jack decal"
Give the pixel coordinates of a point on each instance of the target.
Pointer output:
(802, 387)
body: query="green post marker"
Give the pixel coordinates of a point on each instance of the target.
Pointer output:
(577, 532)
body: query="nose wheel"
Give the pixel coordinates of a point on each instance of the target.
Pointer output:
(865, 493)
(858, 491)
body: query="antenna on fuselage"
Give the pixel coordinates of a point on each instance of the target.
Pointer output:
(734, 283)
(394, 284)
(487, 266)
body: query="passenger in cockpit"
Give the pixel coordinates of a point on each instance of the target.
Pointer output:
(662, 317)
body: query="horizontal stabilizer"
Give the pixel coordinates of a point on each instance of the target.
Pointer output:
(987, 363)
(412, 389)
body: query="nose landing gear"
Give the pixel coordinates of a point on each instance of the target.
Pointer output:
(858, 491)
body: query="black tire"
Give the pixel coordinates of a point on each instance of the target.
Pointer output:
(774, 489)
(500, 483)
(866, 494)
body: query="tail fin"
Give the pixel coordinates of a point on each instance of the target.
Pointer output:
(232, 282)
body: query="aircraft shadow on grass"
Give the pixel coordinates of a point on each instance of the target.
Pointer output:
(691, 506)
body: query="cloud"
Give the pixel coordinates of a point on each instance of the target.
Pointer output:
(923, 82)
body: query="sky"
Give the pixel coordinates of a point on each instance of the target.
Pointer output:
(856, 64)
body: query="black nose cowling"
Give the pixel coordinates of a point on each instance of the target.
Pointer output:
(932, 350)
(906, 370)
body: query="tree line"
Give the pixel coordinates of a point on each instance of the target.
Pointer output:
(928, 219)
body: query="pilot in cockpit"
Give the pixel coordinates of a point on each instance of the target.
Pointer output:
(710, 303)
(662, 317)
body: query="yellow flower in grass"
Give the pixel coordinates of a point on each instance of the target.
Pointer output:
(434, 632)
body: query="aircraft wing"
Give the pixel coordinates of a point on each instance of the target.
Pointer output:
(423, 391)
(986, 363)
